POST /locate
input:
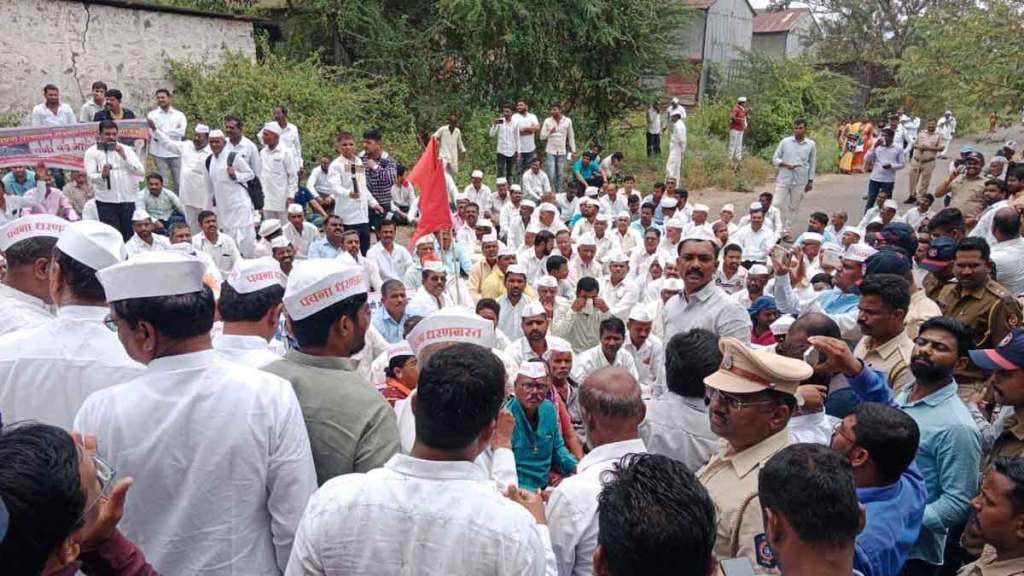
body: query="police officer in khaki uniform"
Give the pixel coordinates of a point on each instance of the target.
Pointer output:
(752, 397)
(980, 303)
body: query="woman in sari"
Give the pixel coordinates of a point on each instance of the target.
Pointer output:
(849, 147)
(867, 138)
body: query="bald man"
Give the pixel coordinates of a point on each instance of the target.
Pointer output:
(1008, 250)
(612, 412)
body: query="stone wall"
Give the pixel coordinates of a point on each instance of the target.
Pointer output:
(73, 43)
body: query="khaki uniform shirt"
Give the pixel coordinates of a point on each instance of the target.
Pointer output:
(922, 156)
(892, 358)
(351, 427)
(731, 482)
(991, 312)
(968, 195)
(1009, 443)
(921, 308)
(987, 565)
(932, 286)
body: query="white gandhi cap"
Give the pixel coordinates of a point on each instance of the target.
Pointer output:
(533, 370)
(534, 308)
(93, 243)
(454, 324)
(476, 174)
(140, 215)
(152, 274)
(256, 274)
(317, 284)
(32, 226)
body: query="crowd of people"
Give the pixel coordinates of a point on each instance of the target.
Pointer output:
(217, 370)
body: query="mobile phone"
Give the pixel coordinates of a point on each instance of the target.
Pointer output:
(780, 253)
(832, 259)
(736, 567)
(812, 356)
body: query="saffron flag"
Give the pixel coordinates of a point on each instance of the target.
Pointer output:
(428, 175)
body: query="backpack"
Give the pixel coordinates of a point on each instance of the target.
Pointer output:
(253, 187)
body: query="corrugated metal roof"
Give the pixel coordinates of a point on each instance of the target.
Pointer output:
(781, 21)
(699, 4)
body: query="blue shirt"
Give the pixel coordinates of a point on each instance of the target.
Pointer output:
(321, 248)
(835, 301)
(948, 456)
(386, 325)
(586, 171)
(18, 189)
(893, 516)
(536, 450)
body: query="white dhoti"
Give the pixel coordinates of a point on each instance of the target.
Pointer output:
(736, 145)
(674, 164)
(245, 239)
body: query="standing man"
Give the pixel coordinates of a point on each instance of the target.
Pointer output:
(351, 427)
(997, 513)
(191, 170)
(287, 132)
(227, 171)
(796, 157)
(561, 145)
(173, 124)
(612, 411)
(676, 144)
(922, 162)
(753, 396)
(885, 158)
(235, 431)
(947, 128)
(94, 104)
(885, 346)
(279, 174)
(27, 245)
(51, 111)
(504, 129)
(449, 144)
(654, 128)
(526, 126)
(380, 174)
(737, 126)
(240, 144)
(114, 110)
(702, 304)
(352, 199)
(113, 170)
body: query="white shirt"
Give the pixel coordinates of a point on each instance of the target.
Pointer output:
(559, 135)
(913, 217)
(571, 510)
(814, 428)
(423, 303)
(983, 228)
(613, 207)
(279, 175)
(317, 181)
(772, 221)
(519, 350)
(592, 360)
(709, 308)
(221, 449)
(351, 210)
(650, 364)
(89, 110)
(678, 141)
(300, 239)
(234, 208)
(1008, 256)
(421, 517)
(481, 197)
(527, 143)
(620, 298)
(289, 138)
(628, 241)
(173, 124)
(653, 121)
(535, 184)
(43, 116)
(223, 252)
(192, 178)
(124, 174)
(136, 245)
(19, 310)
(392, 265)
(252, 351)
(449, 145)
(370, 271)
(510, 319)
(246, 149)
(508, 136)
(47, 371)
(755, 243)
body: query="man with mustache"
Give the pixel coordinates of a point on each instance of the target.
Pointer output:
(949, 452)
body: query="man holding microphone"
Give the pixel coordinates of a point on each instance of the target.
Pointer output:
(113, 169)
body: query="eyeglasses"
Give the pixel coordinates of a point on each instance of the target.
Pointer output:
(110, 323)
(106, 476)
(733, 402)
(535, 386)
(838, 429)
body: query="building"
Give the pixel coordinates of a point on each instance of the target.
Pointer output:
(125, 43)
(782, 34)
(716, 36)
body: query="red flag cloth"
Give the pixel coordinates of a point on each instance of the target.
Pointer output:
(428, 175)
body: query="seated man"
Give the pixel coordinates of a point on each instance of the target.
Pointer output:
(536, 440)
(162, 204)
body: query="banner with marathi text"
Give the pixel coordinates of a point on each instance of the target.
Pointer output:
(65, 146)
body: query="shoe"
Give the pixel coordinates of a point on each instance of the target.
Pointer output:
(910, 200)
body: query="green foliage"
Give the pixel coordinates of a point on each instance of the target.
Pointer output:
(781, 91)
(974, 71)
(317, 103)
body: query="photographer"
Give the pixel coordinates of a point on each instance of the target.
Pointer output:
(966, 186)
(112, 169)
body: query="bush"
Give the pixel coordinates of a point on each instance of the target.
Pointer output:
(317, 103)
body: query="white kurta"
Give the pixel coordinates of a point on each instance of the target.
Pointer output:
(48, 371)
(192, 188)
(676, 149)
(620, 298)
(279, 175)
(221, 460)
(459, 522)
(19, 310)
(423, 303)
(650, 364)
(301, 239)
(136, 245)
(510, 320)
(571, 510)
(234, 208)
(252, 351)
(592, 360)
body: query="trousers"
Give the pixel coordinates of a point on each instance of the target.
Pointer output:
(788, 198)
(169, 168)
(920, 177)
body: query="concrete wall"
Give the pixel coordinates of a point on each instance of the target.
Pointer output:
(72, 43)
